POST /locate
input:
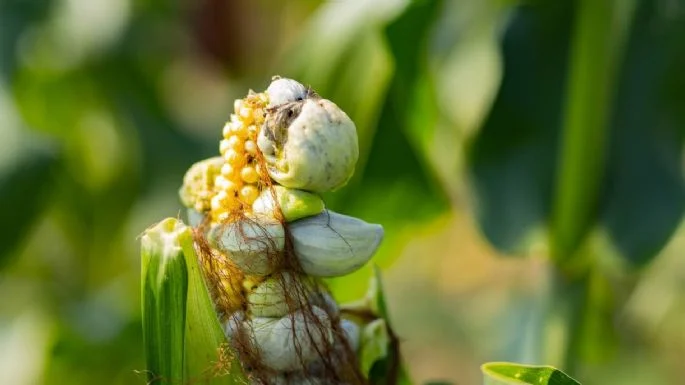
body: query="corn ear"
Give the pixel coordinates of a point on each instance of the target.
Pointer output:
(163, 298)
(205, 344)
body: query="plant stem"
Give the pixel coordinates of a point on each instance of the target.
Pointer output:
(578, 290)
(600, 29)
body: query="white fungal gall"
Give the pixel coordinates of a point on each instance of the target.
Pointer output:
(270, 298)
(289, 342)
(284, 90)
(332, 244)
(254, 244)
(315, 149)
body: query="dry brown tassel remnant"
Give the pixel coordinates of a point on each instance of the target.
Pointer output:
(266, 239)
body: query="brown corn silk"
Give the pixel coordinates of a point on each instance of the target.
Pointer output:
(229, 286)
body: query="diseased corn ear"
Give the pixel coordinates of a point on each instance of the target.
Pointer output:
(163, 296)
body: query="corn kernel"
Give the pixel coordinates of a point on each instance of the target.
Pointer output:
(227, 171)
(224, 145)
(219, 200)
(226, 185)
(246, 115)
(226, 131)
(249, 174)
(235, 143)
(234, 158)
(250, 146)
(248, 194)
(237, 105)
(239, 130)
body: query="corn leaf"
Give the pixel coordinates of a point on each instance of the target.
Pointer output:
(164, 291)
(504, 373)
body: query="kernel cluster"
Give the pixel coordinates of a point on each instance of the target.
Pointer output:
(237, 185)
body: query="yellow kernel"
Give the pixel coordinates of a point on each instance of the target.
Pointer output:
(237, 105)
(250, 147)
(240, 130)
(252, 131)
(246, 115)
(219, 200)
(235, 142)
(249, 174)
(249, 193)
(227, 171)
(224, 145)
(226, 185)
(235, 158)
(226, 131)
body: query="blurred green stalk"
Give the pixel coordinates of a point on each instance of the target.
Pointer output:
(601, 28)
(600, 31)
(163, 297)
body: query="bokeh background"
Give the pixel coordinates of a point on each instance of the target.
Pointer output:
(462, 109)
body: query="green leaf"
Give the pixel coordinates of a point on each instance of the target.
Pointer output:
(644, 193)
(163, 298)
(204, 339)
(503, 373)
(632, 183)
(513, 157)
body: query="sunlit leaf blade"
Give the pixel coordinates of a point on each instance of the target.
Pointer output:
(25, 184)
(644, 197)
(164, 292)
(205, 343)
(503, 373)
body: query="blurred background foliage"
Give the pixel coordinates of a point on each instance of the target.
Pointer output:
(551, 130)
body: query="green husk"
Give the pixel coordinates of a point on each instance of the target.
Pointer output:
(163, 298)
(206, 347)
